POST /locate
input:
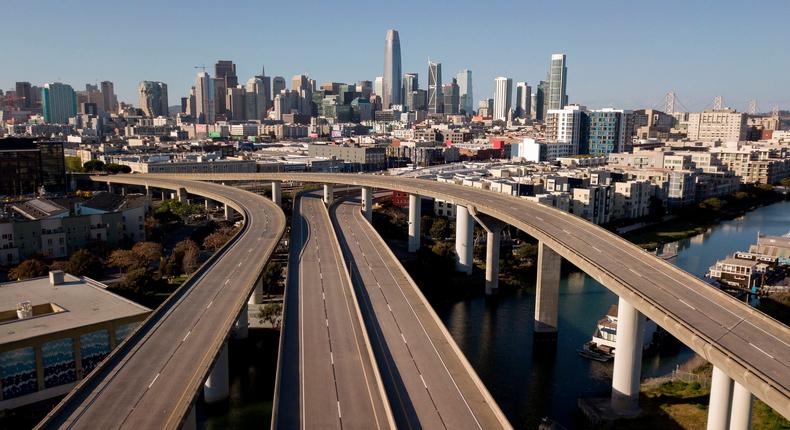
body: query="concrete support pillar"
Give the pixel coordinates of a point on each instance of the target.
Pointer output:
(190, 421)
(464, 240)
(164, 194)
(148, 191)
(216, 387)
(627, 358)
(277, 192)
(256, 297)
(415, 217)
(229, 212)
(367, 203)
(741, 408)
(720, 399)
(123, 190)
(547, 291)
(329, 193)
(493, 228)
(110, 188)
(207, 204)
(181, 195)
(241, 328)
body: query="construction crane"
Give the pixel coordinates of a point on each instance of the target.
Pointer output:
(201, 67)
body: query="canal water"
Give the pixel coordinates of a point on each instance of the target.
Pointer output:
(532, 380)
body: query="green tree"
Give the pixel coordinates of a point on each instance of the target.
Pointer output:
(93, 166)
(73, 164)
(84, 263)
(117, 168)
(272, 313)
(785, 182)
(711, 204)
(440, 229)
(31, 268)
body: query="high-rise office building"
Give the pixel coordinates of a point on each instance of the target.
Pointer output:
(503, 97)
(391, 85)
(58, 103)
(303, 88)
(558, 71)
(523, 100)
(256, 102)
(451, 95)
(410, 84)
(24, 95)
(267, 90)
(27, 165)
(278, 85)
(204, 99)
(540, 102)
(152, 97)
(235, 100)
(226, 70)
(365, 88)
(435, 99)
(109, 101)
(378, 86)
(466, 96)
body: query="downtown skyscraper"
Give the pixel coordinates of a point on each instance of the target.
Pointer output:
(58, 103)
(523, 100)
(503, 98)
(204, 99)
(391, 81)
(558, 71)
(464, 79)
(435, 100)
(152, 98)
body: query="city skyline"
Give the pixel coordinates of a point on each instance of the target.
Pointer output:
(598, 78)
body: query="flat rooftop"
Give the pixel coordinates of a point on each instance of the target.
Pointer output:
(74, 303)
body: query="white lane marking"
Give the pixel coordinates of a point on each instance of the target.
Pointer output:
(758, 348)
(423, 382)
(152, 382)
(339, 415)
(389, 307)
(327, 323)
(227, 281)
(692, 307)
(596, 249)
(403, 337)
(321, 275)
(634, 272)
(209, 304)
(332, 357)
(539, 218)
(185, 337)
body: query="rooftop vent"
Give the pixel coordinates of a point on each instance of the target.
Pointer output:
(24, 310)
(56, 277)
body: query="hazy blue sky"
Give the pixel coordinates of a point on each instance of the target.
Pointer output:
(620, 53)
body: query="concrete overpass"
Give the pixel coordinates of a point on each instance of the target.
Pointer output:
(153, 378)
(749, 350)
(427, 376)
(327, 374)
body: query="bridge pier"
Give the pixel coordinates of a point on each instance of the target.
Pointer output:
(547, 292)
(627, 358)
(181, 195)
(720, 399)
(123, 190)
(148, 191)
(464, 240)
(110, 188)
(163, 193)
(741, 408)
(415, 217)
(229, 212)
(207, 204)
(216, 387)
(241, 328)
(256, 297)
(329, 193)
(277, 193)
(493, 228)
(367, 203)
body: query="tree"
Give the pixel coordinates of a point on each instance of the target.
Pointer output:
(214, 241)
(440, 229)
(443, 249)
(84, 263)
(31, 268)
(149, 252)
(272, 275)
(711, 204)
(785, 182)
(191, 259)
(73, 164)
(272, 313)
(93, 166)
(117, 168)
(141, 256)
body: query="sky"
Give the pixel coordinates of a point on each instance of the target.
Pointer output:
(626, 54)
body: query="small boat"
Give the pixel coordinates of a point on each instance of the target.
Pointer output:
(591, 352)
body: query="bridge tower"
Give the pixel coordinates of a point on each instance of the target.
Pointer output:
(669, 103)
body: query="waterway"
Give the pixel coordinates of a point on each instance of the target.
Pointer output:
(532, 380)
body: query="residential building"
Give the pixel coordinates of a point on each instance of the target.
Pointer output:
(565, 126)
(557, 97)
(608, 131)
(724, 125)
(28, 165)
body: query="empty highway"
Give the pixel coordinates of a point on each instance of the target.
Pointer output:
(428, 380)
(746, 344)
(152, 379)
(328, 376)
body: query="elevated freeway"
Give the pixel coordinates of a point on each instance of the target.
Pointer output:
(328, 376)
(429, 381)
(745, 345)
(152, 379)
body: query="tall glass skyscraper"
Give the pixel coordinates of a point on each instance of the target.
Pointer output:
(503, 97)
(558, 71)
(435, 100)
(464, 79)
(58, 103)
(204, 99)
(392, 70)
(410, 85)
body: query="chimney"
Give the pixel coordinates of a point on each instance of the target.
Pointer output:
(55, 277)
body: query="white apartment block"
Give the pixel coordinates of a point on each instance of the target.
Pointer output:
(724, 125)
(564, 125)
(593, 203)
(631, 199)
